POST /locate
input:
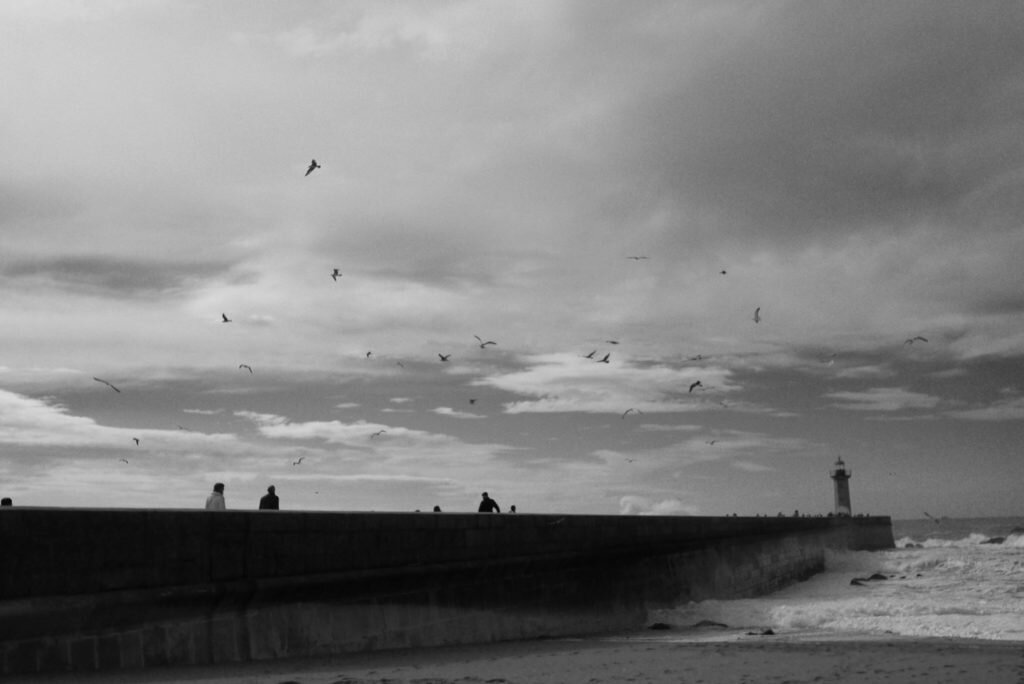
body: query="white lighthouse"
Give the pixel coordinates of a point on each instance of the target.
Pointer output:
(841, 477)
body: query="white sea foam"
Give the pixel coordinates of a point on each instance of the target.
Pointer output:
(943, 587)
(973, 539)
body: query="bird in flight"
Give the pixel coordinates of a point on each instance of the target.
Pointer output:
(335, 275)
(298, 461)
(590, 355)
(246, 367)
(224, 318)
(378, 433)
(136, 440)
(637, 258)
(313, 166)
(125, 460)
(444, 357)
(611, 341)
(911, 340)
(483, 344)
(695, 384)
(369, 354)
(107, 384)
(757, 315)
(711, 442)
(605, 359)
(630, 410)
(722, 272)
(932, 517)
(698, 357)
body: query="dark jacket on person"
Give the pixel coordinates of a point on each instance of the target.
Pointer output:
(269, 502)
(488, 505)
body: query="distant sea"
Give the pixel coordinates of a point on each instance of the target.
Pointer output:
(942, 580)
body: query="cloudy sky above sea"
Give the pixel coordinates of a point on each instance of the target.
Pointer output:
(573, 181)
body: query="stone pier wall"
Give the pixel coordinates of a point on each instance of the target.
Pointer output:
(88, 589)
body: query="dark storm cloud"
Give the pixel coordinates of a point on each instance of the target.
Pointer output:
(817, 115)
(114, 277)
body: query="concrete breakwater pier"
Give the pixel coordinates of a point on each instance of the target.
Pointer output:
(105, 589)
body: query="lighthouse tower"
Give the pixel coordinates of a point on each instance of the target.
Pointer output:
(841, 477)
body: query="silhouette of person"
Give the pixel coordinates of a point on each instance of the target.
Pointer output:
(6, 501)
(437, 509)
(512, 508)
(215, 502)
(488, 505)
(269, 501)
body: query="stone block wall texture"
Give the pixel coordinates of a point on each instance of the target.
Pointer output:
(101, 589)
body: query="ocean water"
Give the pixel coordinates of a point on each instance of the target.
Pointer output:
(942, 581)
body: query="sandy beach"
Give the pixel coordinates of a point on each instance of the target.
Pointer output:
(670, 658)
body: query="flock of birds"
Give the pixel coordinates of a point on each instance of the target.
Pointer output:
(484, 344)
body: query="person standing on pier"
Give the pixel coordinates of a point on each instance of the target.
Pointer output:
(269, 501)
(215, 502)
(488, 505)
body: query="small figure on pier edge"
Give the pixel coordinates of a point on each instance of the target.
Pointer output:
(488, 505)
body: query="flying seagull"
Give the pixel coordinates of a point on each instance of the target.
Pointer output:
(695, 384)
(313, 166)
(369, 354)
(124, 459)
(611, 341)
(224, 318)
(605, 359)
(298, 461)
(245, 366)
(932, 517)
(711, 442)
(757, 315)
(590, 355)
(911, 340)
(444, 357)
(637, 258)
(336, 274)
(722, 272)
(472, 401)
(107, 384)
(483, 344)
(378, 433)
(628, 411)
(136, 440)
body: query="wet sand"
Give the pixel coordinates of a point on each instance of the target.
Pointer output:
(669, 658)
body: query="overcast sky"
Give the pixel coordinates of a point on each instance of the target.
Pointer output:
(568, 180)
